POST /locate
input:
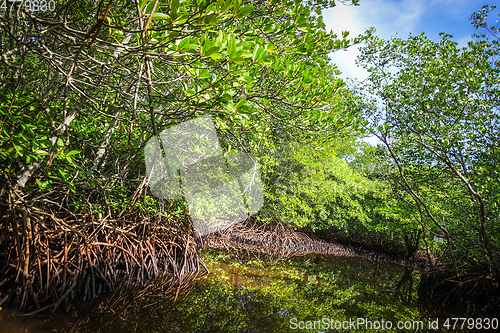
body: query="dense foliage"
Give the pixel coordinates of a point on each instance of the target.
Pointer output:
(84, 87)
(82, 97)
(435, 108)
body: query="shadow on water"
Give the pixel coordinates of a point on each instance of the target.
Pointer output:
(245, 294)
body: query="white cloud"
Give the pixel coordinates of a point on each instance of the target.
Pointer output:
(342, 18)
(346, 62)
(391, 17)
(388, 16)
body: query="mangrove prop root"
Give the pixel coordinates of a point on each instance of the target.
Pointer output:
(472, 294)
(49, 257)
(278, 241)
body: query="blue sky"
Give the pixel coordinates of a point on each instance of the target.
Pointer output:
(402, 17)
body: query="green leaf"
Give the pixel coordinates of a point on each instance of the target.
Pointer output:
(160, 16)
(174, 6)
(70, 160)
(246, 10)
(219, 4)
(72, 187)
(241, 102)
(245, 55)
(180, 20)
(212, 50)
(183, 43)
(236, 6)
(231, 48)
(238, 60)
(143, 4)
(227, 4)
(216, 56)
(73, 152)
(191, 46)
(211, 19)
(64, 175)
(149, 7)
(43, 185)
(257, 52)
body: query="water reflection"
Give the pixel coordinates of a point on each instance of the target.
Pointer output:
(116, 312)
(248, 295)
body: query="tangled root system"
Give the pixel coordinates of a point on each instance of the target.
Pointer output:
(276, 241)
(51, 256)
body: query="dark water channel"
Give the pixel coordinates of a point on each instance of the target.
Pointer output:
(248, 294)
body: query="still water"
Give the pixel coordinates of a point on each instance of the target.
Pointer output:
(245, 293)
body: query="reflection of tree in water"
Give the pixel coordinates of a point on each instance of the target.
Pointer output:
(239, 310)
(130, 303)
(249, 295)
(237, 299)
(202, 308)
(131, 306)
(404, 288)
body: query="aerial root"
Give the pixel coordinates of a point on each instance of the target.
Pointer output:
(50, 257)
(276, 241)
